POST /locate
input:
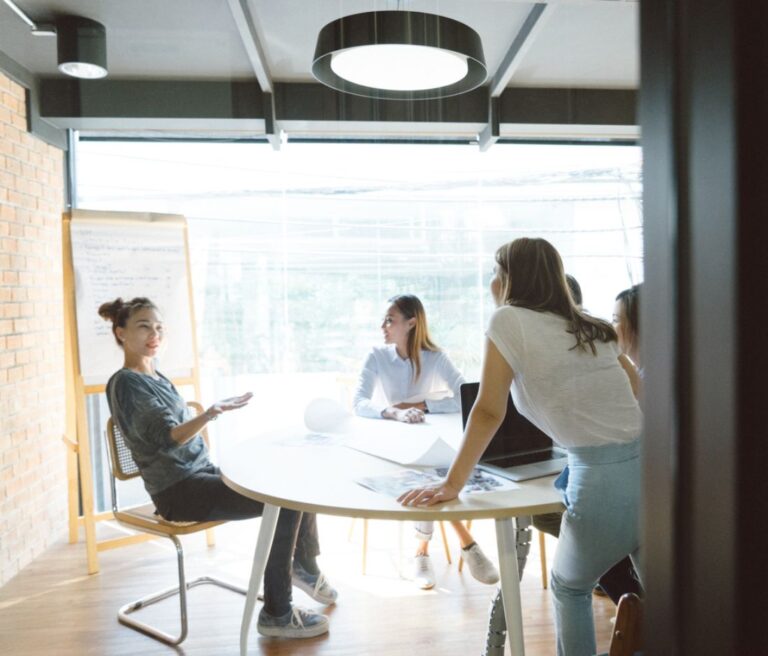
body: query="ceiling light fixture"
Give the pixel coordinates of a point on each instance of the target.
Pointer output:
(399, 55)
(82, 47)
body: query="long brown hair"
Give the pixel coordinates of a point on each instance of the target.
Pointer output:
(532, 276)
(119, 311)
(418, 338)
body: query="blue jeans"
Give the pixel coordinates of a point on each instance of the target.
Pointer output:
(601, 492)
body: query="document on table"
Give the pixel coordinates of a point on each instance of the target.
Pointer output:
(406, 444)
(393, 485)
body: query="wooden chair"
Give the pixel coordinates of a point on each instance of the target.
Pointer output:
(365, 542)
(626, 639)
(143, 518)
(542, 557)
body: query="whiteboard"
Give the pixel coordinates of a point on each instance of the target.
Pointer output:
(124, 258)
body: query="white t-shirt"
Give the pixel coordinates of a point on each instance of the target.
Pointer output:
(576, 398)
(438, 384)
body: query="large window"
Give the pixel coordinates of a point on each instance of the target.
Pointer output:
(296, 251)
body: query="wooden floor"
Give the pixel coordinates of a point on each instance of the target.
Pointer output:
(54, 607)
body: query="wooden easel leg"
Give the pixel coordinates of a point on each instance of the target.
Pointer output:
(86, 486)
(72, 492)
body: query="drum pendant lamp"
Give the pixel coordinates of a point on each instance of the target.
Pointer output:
(399, 55)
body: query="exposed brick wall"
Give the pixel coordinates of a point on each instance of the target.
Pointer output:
(33, 490)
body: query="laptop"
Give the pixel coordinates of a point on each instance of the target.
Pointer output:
(518, 451)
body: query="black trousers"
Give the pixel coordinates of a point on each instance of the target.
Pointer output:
(204, 497)
(618, 580)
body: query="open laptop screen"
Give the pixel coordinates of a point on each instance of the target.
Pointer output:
(517, 441)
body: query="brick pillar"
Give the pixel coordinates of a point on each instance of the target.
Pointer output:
(33, 503)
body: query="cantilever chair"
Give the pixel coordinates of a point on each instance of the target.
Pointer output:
(143, 518)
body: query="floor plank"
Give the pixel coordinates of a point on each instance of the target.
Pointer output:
(53, 606)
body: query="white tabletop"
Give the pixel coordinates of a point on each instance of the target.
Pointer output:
(283, 469)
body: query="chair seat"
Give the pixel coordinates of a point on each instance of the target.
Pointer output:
(144, 518)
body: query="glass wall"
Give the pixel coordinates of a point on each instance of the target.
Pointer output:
(296, 251)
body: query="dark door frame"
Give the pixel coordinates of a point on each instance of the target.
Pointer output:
(703, 111)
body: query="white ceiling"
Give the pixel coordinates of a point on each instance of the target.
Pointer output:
(580, 43)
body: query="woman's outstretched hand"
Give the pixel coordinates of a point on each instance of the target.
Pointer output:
(429, 496)
(225, 405)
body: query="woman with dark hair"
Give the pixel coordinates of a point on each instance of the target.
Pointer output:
(416, 378)
(626, 321)
(566, 376)
(165, 441)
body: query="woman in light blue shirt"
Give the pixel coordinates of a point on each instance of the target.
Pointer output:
(416, 378)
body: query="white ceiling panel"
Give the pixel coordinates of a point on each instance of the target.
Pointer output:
(590, 45)
(145, 38)
(584, 43)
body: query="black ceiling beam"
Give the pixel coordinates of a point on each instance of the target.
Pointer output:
(569, 106)
(316, 102)
(124, 104)
(83, 104)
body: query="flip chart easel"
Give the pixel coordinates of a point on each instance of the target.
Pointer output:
(106, 255)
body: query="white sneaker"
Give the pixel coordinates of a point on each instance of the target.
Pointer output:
(423, 574)
(479, 565)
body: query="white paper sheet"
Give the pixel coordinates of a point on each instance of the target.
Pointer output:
(406, 444)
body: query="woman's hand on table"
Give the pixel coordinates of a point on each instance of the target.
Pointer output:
(410, 415)
(429, 496)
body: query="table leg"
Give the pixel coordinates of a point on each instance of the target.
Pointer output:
(510, 584)
(263, 545)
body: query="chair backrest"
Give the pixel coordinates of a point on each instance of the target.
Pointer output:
(121, 461)
(627, 632)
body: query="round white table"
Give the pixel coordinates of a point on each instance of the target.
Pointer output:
(285, 469)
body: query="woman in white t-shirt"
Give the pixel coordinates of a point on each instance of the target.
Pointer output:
(567, 377)
(416, 377)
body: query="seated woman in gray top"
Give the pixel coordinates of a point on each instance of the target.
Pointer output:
(165, 441)
(417, 378)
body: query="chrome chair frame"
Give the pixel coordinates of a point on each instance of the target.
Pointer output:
(144, 519)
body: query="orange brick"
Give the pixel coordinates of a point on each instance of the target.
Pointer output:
(10, 310)
(16, 90)
(13, 341)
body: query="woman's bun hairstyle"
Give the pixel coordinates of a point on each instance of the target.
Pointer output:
(119, 311)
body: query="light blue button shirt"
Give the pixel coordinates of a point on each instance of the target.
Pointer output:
(438, 385)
